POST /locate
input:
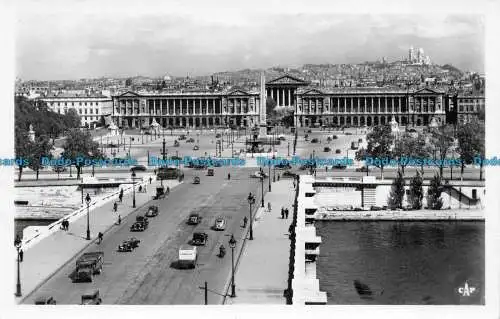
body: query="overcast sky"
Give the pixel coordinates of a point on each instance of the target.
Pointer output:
(75, 43)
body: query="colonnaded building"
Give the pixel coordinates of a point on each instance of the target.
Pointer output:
(312, 106)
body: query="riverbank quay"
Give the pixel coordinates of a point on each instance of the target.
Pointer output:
(401, 215)
(262, 272)
(50, 248)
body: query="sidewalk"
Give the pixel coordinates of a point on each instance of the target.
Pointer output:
(44, 258)
(262, 272)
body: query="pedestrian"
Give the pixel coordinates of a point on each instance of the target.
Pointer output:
(150, 179)
(269, 206)
(278, 177)
(115, 206)
(119, 219)
(140, 188)
(286, 213)
(67, 225)
(155, 174)
(326, 168)
(121, 195)
(100, 235)
(245, 221)
(228, 176)
(282, 213)
(21, 255)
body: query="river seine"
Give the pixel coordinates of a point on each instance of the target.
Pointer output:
(413, 263)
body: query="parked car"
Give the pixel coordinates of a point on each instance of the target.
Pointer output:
(362, 169)
(199, 239)
(152, 211)
(91, 298)
(45, 300)
(314, 141)
(137, 226)
(139, 168)
(375, 208)
(194, 219)
(282, 138)
(111, 145)
(335, 137)
(309, 131)
(354, 146)
(338, 151)
(210, 172)
(217, 135)
(339, 166)
(327, 149)
(288, 174)
(220, 223)
(182, 137)
(190, 140)
(196, 180)
(196, 148)
(125, 247)
(284, 166)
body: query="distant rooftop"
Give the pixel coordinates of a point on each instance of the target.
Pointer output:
(74, 95)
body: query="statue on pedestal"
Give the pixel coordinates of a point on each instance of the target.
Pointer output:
(31, 133)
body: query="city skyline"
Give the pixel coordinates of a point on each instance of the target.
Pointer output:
(96, 45)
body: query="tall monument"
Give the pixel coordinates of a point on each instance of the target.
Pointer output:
(263, 110)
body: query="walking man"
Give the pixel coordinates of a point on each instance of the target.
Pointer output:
(269, 206)
(21, 255)
(150, 179)
(100, 235)
(286, 213)
(121, 195)
(119, 219)
(245, 221)
(115, 206)
(282, 213)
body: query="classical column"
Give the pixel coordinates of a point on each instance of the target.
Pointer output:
(282, 97)
(392, 105)
(289, 97)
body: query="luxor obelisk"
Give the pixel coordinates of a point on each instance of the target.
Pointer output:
(262, 112)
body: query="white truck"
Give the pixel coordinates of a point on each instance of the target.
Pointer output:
(187, 256)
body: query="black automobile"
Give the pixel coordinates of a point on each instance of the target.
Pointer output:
(142, 219)
(362, 169)
(133, 242)
(138, 168)
(152, 211)
(45, 300)
(190, 140)
(284, 166)
(137, 226)
(199, 239)
(314, 141)
(339, 166)
(327, 149)
(59, 169)
(194, 219)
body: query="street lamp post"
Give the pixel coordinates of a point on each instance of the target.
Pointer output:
(288, 148)
(269, 176)
(251, 201)
(262, 188)
(87, 200)
(133, 187)
(18, 285)
(232, 244)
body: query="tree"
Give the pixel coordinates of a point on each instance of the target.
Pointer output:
(270, 106)
(442, 140)
(406, 147)
(479, 145)
(397, 192)
(39, 149)
(128, 82)
(434, 191)
(466, 135)
(73, 119)
(416, 192)
(379, 142)
(22, 149)
(79, 144)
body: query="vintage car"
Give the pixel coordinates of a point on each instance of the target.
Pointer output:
(133, 242)
(210, 172)
(283, 166)
(160, 193)
(288, 174)
(176, 143)
(259, 174)
(137, 226)
(339, 166)
(45, 300)
(217, 135)
(125, 247)
(194, 219)
(196, 180)
(196, 147)
(327, 149)
(138, 168)
(152, 211)
(354, 146)
(190, 140)
(142, 219)
(91, 298)
(220, 223)
(362, 169)
(59, 169)
(182, 137)
(199, 239)
(314, 141)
